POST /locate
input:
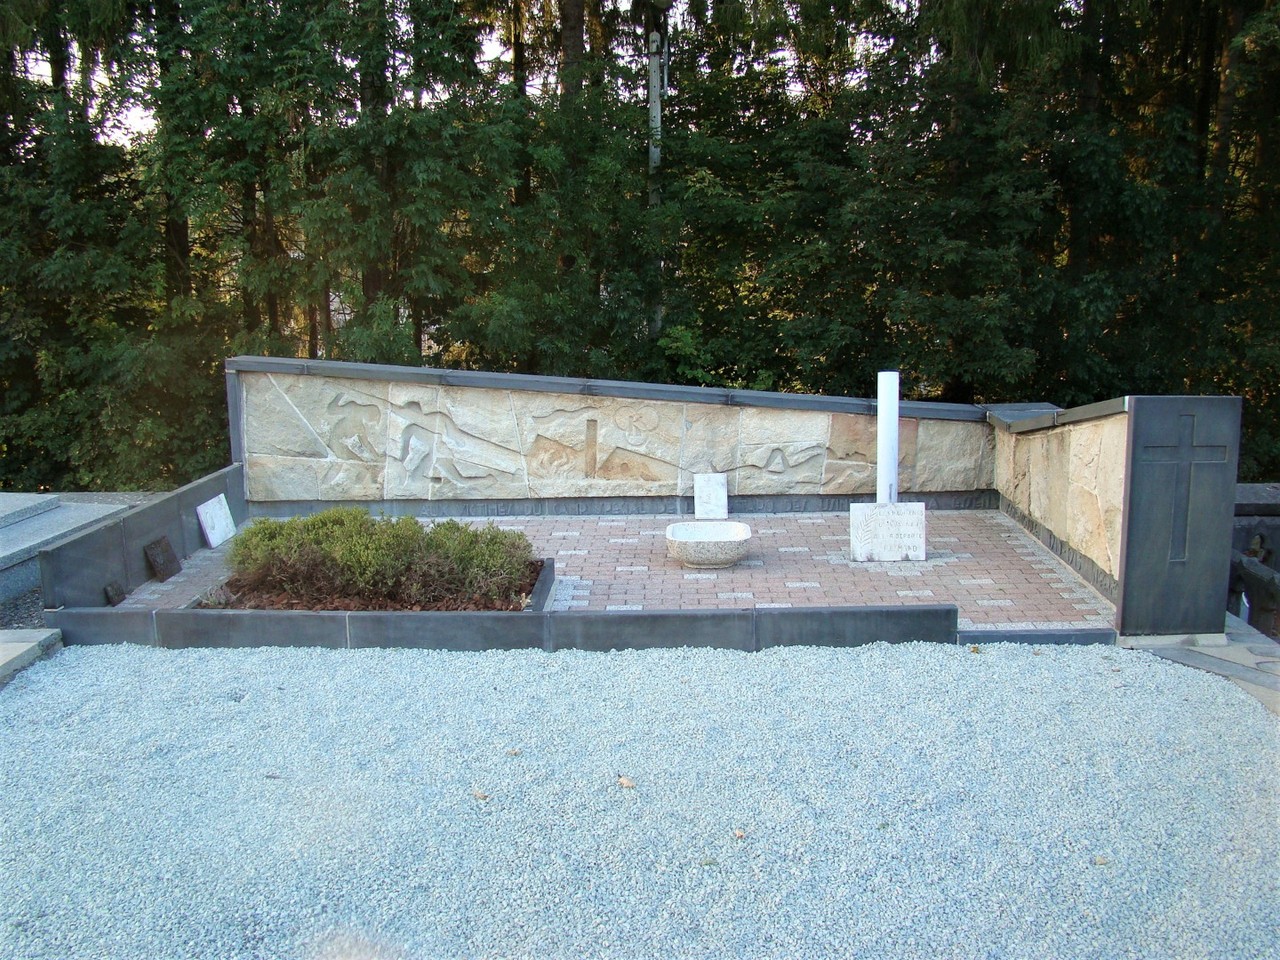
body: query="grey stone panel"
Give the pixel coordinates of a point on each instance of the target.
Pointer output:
(228, 481)
(16, 507)
(1258, 499)
(144, 525)
(266, 365)
(75, 572)
(182, 629)
(623, 389)
(448, 631)
(644, 629)
(618, 506)
(1180, 502)
(1189, 657)
(235, 418)
(1005, 415)
(91, 627)
(544, 589)
(1093, 574)
(855, 626)
(1055, 637)
(18, 579)
(1095, 411)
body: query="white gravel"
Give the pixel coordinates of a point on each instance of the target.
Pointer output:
(909, 801)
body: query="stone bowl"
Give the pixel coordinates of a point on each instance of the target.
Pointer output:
(708, 544)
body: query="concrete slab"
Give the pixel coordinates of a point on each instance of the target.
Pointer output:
(21, 648)
(16, 507)
(22, 540)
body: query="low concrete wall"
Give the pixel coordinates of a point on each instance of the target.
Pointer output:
(75, 571)
(318, 431)
(748, 630)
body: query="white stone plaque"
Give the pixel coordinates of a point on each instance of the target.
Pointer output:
(215, 521)
(886, 531)
(711, 496)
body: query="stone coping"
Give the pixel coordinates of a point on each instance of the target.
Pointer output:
(621, 389)
(1004, 419)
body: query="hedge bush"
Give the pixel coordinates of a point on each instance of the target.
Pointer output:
(344, 552)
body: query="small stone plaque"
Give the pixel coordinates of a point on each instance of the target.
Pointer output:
(215, 521)
(886, 531)
(711, 496)
(161, 559)
(115, 593)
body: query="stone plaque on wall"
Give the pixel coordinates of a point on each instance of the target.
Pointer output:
(886, 531)
(215, 521)
(710, 496)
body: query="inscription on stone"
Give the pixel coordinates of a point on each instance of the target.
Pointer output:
(886, 532)
(215, 521)
(161, 559)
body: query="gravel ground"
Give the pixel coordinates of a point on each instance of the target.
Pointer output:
(911, 801)
(22, 612)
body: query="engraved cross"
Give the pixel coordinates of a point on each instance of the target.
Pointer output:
(1185, 455)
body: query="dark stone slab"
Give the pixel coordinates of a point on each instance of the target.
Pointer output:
(1180, 500)
(1081, 637)
(617, 506)
(544, 589)
(1190, 657)
(645, 629)
(854, 626)
(1095, 411)
(1258, 499)
(75, 572)
(91, 627)
(448, 631)
(1006, 415)
(182, 629)
(115, 593)
(161, 559)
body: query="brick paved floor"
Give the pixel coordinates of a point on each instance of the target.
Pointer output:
(980, 560)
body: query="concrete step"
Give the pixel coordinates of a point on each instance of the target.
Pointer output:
(21, 648)
(16, 507)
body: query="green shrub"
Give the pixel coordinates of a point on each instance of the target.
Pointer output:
(344, 552)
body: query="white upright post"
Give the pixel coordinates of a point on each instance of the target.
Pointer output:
(887, 437)
(886, 531)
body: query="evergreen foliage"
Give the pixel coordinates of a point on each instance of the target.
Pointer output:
(1065, 201)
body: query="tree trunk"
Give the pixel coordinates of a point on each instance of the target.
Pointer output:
(572, 45)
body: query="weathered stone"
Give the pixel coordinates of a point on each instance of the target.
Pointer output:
(711, 496)
(851, 454)
(954, 455)
(709, 444)
(294, 478)
(164, 563)
(599, 446)
(215, 521)
(708, 544)
(321, 417)
(446, 443)
(886, 532)
(782, 451)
